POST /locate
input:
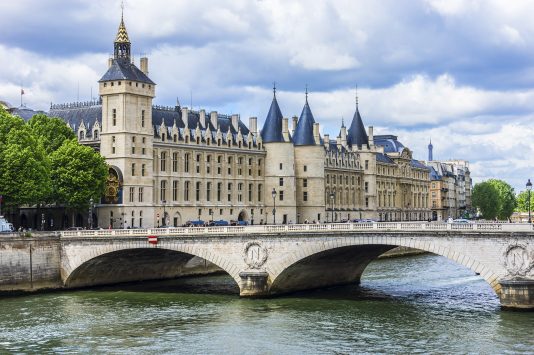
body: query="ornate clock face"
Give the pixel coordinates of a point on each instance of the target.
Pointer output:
(112, 188)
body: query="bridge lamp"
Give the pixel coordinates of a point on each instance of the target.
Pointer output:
(529, 187)
(332, 207)
(91, 213)
(164, 213)
(273, 194)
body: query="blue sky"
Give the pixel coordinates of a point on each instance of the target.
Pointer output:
(459, 72)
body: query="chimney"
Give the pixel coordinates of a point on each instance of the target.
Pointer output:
(343, 134)
(214, 119)
(185, 117)
(110, 62)
(326, 140)
(316, 134)
(202, 118)
(295, 121)
(253, 125)
(144, 65)
(285, 129)
(235, 122)
(371, 136)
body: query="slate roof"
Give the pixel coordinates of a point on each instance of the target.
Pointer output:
(356, 134)
(389, 142)
(303, 134)
(384, 158)
(272, 128)
(24, 112)
(418, 164)
(122, 69)
(434, 174)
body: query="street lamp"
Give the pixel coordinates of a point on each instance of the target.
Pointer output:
(164, 214)
(252, 217)
(91, 213)
(211, 214)
(332, 207)
(529, 187)
(273, 194)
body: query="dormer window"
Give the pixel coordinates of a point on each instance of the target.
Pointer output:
(95, 134)
(163, 137)
(82, 135)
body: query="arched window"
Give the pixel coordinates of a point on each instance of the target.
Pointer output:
(95, 134)
(82, 135)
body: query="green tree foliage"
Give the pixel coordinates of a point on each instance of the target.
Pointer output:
(522, 198)
(485, 197)
(7, 124)
(25, 168)
(52, 131)
(78, 174)
(507, 200)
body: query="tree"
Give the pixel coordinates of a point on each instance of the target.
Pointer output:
(507, 200)
(25, 168)
(485, 197)
(522, 198)
(78, 174)
(52, 131)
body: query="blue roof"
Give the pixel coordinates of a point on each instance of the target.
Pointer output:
(434, 174)
(304, 131)
(122, 69)
(384, 158)
(418, 164)
(390, 143)
(272, 128)
(356, 134)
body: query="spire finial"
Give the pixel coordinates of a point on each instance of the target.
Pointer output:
(306, 93)
(274, 88)
(356, 96)
(342, 122)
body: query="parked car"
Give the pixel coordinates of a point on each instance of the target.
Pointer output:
(195, 223)
(74, 228)
(5, 227)
(218, 223)
(461, 220)
(239, 223)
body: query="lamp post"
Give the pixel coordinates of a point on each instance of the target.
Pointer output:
(332, 207)
(199, 215)
(211, 214)
(252, 217)
(529, 187)
(164, 214)
(273, 194)
(90, 213)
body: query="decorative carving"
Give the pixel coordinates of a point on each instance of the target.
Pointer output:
(255, 255)
(112, 187)
(516, 260)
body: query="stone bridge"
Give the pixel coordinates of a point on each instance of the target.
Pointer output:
(276, 259)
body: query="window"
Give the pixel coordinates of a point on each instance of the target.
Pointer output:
(132, 193)
(197, 194)
(367, 202)
(280, 166)
(305, 196)
(259, 167)
(281, 181)
(186, 191)
(219, 191)
(163, 190)
(82, 135)
(113, 144)
(230, 192)
(140, 219)
(143, 167)
(366, 186)
(142, 118)
(229, 165)
(260, 186)
(140, 194)
(186, 163)
(175, 190)
(366, 164)
(208, 191)
(305, 183)
(133, 169)
(305, 168)
(174, 162)
(239, 192)
(114, 116)
(281, 195)
(163, 161)
(250, 188)
(95, 135)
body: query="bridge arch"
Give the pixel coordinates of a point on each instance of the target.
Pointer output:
(326, 263)
(135, 261)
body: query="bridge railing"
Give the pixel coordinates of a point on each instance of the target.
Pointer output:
(306, 228)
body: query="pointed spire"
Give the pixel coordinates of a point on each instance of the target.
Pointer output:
(356, 96)
(274, 88)
(306, 93)
(342, 122)
(304, 131)
(357, 134)
(272, 128)
(430, 153)
(122, 42)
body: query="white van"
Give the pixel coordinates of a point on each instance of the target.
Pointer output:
(5, 227)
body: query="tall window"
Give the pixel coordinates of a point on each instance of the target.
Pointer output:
(163, 161)
(133, 169)
(113, 144)
(132, 192)
(281, 181)
(260, 192)
(208, 191)
(140, 195)
(219, 191)
(114, 116)
(174, 162)
(366, 186)
(230, 192)
(229, 165)
(305, 196)
(186, 191)
(142, 118)
(240, 192)
(143, 168)
(140, 219)
(163, 190)
(281, 195)
(250, 190)
(197, 195)
(186, 162)
(305, 183)
(175, 190)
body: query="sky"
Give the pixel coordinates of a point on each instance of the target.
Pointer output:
(458, 72)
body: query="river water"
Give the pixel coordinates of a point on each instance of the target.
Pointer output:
(421, 304)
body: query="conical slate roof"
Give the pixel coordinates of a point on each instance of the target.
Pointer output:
(304, 131)
(356, 134)
(272, 128)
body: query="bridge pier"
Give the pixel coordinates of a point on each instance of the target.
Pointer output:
(254, 283)
(517, 294)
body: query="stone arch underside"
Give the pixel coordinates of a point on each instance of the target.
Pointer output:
(130, 264)
(343, 261)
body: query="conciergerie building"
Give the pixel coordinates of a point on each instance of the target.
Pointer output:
(169, 165)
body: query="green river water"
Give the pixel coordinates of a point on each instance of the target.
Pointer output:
(421, 304)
